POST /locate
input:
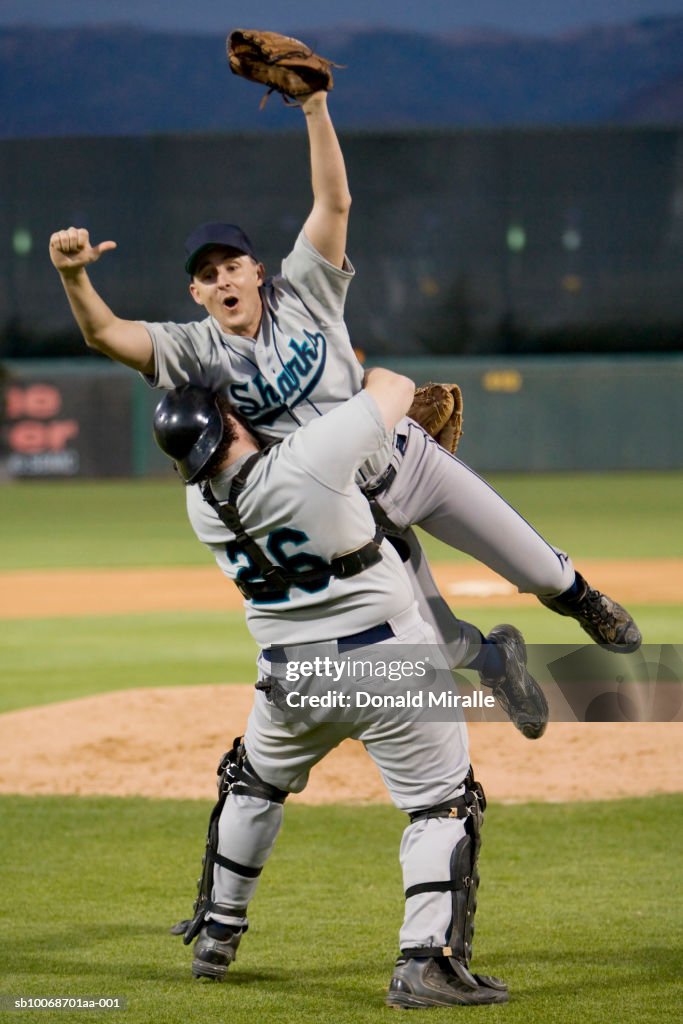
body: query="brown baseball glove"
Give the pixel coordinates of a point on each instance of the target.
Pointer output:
(284, 64)
(438, 408)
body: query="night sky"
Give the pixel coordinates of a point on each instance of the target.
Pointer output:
(288, 15)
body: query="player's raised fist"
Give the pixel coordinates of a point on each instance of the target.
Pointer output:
(70, 249)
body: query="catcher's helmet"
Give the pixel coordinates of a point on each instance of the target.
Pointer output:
(188, 427)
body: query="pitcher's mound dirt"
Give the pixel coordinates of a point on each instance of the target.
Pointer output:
(166, 742)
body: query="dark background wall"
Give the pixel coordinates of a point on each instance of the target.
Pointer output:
(465, 242)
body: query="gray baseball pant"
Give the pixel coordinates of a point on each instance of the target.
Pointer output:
(422, 764)
(439, 493)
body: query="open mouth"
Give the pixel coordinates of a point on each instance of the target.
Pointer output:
(230, 302)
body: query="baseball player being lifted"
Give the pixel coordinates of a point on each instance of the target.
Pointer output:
(280, 351)
(298, 537)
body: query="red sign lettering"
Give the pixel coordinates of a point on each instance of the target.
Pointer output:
(39, 401)
(31, 437)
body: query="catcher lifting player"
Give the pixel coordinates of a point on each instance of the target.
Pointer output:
(344, 595)
(279, 350)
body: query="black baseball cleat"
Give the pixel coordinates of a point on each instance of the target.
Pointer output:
(214, 950)
(517, 692)
(419, 983)
(605, 621)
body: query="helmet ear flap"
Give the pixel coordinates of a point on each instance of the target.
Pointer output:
(188, 427)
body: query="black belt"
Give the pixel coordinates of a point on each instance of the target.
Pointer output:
(384, 482)
(374, 635)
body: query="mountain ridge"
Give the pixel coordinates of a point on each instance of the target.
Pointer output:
(66, 82)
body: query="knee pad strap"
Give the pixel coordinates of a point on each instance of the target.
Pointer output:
(472, 803)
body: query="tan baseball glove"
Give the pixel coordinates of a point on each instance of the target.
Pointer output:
(284, 64)
(438, 408)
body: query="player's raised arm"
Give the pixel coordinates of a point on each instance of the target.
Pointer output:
(126, 341)
(392, 392)
(327, 223)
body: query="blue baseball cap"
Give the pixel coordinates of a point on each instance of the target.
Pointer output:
(208, 235)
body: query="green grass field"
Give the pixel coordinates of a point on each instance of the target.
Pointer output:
(579, 909)
(62, 525)
(578, 912)
(607, 515)
(48, 660)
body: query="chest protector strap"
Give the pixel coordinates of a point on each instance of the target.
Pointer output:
(277, 581)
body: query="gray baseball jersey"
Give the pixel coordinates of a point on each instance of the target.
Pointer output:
(300, 366)
(300, 501)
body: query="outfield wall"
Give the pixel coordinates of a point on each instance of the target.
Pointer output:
(91, 418)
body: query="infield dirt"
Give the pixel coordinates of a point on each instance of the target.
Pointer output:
(36, 593)
(167, 741)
